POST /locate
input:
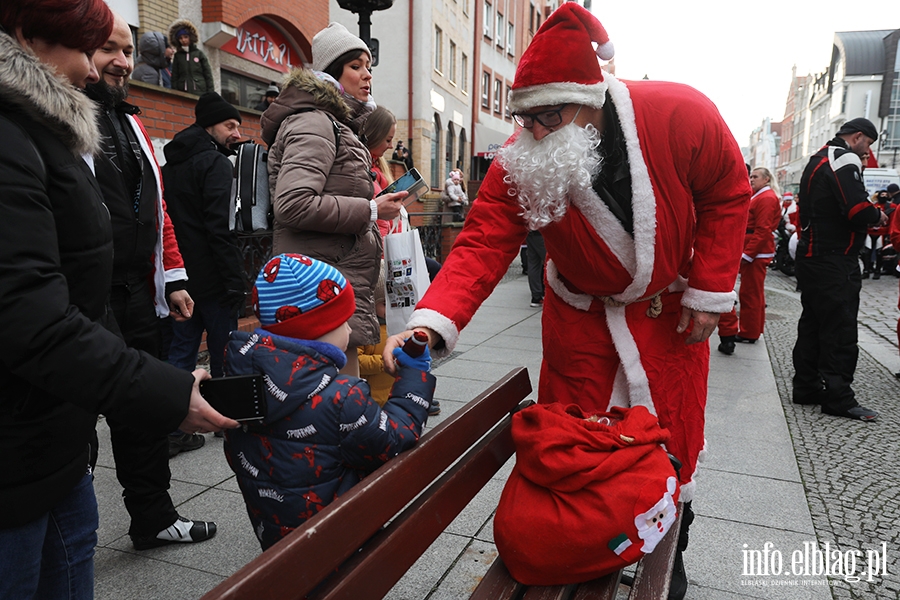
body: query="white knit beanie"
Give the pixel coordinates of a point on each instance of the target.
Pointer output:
(332, 42)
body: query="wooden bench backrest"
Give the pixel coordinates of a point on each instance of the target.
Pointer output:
(296, 565)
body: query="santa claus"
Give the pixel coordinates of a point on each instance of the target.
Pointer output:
(641, 194)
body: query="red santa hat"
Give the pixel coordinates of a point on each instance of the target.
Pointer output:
(558, 67)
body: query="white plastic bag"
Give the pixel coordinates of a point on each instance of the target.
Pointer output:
(405, 278)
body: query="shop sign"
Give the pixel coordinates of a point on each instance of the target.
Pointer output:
(260, 42)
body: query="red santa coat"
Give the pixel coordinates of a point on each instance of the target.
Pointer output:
(689, 195)
(168, 265)
(762, 220)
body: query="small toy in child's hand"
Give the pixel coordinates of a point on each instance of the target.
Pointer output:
(416, 344)
(421, 362)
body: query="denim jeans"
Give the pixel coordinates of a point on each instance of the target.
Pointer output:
(53, 556)
(218, 321)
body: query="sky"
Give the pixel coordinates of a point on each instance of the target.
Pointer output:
(739, 54)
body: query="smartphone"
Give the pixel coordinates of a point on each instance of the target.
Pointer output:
(242, 397)
(412, 182)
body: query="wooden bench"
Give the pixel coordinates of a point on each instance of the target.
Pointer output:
(418, 494)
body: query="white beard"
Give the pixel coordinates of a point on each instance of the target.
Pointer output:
(544, 173)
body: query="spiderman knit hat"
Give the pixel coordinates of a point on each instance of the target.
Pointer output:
(560, 64)
(301, 297)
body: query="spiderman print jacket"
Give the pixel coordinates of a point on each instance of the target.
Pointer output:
(323, 432)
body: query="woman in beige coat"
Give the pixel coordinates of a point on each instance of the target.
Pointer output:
(319, 172)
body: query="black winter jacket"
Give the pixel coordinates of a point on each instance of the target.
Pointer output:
(197, 179)
(59, 366)
(835, 211)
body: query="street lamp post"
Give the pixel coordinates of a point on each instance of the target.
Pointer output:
(365, 8)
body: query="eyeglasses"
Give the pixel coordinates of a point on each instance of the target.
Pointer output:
(547, 118)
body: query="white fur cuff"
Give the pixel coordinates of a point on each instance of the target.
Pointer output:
(714, 302)
(444, 327)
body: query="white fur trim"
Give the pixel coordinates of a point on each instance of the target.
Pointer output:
(643, 200)
(687, 491)
(551, 94)
(608, 227)
(444, 327)
(714, 302)
(579, 301)
(629, 358)
(176, 275)
(619, 396)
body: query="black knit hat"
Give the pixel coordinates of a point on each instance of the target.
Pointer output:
(212, 109)
(893, 188)
(859, 124)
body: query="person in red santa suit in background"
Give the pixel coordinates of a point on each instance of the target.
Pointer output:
(641, 194)
(759, 248)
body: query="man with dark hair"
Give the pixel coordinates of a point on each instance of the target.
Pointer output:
(198, 178)
(893, 191)
(835, 213)
(147, 284)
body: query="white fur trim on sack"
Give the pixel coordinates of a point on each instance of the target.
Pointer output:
(444, 327)
(552, 94)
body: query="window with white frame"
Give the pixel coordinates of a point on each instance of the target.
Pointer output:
(488, 19)
(452, 74)
(438, 49)
(464, 73)
(501, 31)
(498, 88)
(511, 39)
(506, 113)
(486, 90)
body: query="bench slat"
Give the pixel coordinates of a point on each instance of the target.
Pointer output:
(384, 560)
(604, 588)
(286, 571)
(497, 584)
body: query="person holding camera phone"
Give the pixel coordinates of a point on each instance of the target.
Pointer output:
(323, 431)
(319, 172)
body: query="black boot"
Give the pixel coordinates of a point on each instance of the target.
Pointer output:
(726, 344)
(679, 583)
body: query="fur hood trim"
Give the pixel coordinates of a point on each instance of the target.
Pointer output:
(33, 88)
(301, 89)
(183, 24)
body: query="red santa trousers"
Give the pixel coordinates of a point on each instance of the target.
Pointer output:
(750, 321)
(581, 364)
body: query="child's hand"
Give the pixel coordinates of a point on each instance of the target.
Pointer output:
(422, 363)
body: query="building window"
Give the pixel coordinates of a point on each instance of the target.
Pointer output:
(498, 87)
(242, 91)
(452, 68)
(436, 180)
(462, 149)
(501, 31)
(488, 19)
(511, 39)
(464, 73)
(450, 153)
(506, 113)
(486, 91)
(531, 16)
(438, 49)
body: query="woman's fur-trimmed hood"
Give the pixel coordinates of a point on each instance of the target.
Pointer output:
(302, 89)
(33, 88)
(178, 25)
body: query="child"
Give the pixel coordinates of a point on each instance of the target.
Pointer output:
(191, 72)
(323, 431)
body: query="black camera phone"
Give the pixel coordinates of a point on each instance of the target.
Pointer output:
(242, 397)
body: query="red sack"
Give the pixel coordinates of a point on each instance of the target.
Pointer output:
(585, 498)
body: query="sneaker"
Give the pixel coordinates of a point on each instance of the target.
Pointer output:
(184, 442)
(537, 302)
(182, 531)
(434, 409)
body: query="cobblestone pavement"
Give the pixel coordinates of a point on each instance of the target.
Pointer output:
(850, 469)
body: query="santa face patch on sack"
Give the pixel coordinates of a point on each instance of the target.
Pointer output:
(588, 496)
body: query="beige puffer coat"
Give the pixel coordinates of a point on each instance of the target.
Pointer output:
(321, 197)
